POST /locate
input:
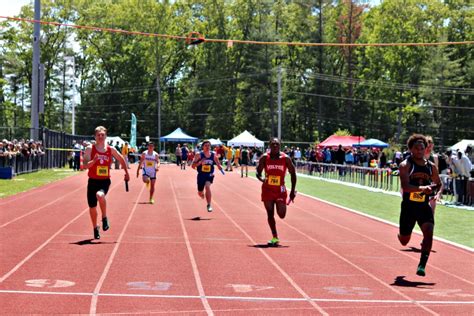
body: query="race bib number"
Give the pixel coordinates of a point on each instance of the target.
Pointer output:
(102, 171)
(206, 168)
(149, 163)
(274, 180)
(417, 197)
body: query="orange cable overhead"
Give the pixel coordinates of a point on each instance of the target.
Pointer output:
(231, 41)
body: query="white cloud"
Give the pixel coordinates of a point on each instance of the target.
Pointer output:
(12, 7)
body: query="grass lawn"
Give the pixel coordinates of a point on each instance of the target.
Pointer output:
(453, 224)
(29, 181)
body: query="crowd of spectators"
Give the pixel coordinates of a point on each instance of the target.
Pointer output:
(21, 149)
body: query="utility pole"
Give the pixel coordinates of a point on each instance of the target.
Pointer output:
(34, 131)
(158, 89)
(279, 102)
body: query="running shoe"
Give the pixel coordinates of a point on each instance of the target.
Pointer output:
(96, 233)
(152, 201)
(209, 208)
(421, 270)
(274, 242)
(105, 224)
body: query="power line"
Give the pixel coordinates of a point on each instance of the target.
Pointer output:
(230, 42)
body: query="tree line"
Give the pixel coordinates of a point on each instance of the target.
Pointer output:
(217, 89)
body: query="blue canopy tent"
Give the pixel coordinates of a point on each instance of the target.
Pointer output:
(371, 142)
(178, 136)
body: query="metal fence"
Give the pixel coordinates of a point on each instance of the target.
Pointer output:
(378, 178)
(56, 147)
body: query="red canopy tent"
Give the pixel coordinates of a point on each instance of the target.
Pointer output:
(345, 141)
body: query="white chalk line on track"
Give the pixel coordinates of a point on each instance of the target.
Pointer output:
(237, 298)
(95, 297)
(455, 245)
(22, 262)
(384, 245)
(373, 277)
(197, 277)
(285, 275)
(22, 195)
(39, 208)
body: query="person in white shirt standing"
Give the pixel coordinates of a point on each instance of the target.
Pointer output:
(150, 160)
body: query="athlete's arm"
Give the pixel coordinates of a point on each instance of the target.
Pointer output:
(261, 165)
(88, 163)
(217, 162)
(142, 158)
(158, 163)
(437, 182)
(196, 161)
(292, 171)
(405, 180)
(120, 158)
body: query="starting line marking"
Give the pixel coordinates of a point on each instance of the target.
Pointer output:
(239, 298)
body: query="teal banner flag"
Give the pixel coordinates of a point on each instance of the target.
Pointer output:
(133, 132)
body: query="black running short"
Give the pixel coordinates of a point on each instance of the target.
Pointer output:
(413, 212)
(94, 186)
(202, 179)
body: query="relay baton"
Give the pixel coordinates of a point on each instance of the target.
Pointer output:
(290, 200)
(222, 171)
(126, 185)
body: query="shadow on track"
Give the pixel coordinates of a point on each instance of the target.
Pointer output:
(414, 249)
(199, 218)
(400, 281)
(267, 246)
(90, 242)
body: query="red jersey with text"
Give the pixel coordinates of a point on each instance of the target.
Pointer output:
(101, 169)
(273, 189)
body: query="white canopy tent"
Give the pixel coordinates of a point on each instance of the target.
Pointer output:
(462, 145)
(245, 139)
(114, 140)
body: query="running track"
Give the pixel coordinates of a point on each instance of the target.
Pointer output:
(158, 259)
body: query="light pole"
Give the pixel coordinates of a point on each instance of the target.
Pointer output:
(34, 132)
(71, 70)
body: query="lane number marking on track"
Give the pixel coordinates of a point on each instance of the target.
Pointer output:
(47, 283)
(245, 288)
(149, 286)
(447, 293)
(349, 290)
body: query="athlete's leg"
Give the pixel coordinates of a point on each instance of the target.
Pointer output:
(93, 214)
(270, 208)
(152, 188)
(281, 209)
(102, 202)
(246, 170)
(208, 192)
(404, 239)
(427, 229)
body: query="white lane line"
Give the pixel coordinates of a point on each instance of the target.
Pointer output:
(95, 297)
(39, 208)
(192, 259)
(451, 243)
(340, 257)
(273, 262)
(237, 298)
(382, 244)
(22, 262)
(45, 187)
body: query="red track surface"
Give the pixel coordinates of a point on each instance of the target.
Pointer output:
(156, 259)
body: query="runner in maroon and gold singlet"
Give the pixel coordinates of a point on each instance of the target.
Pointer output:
(274, 193)
(97, 158)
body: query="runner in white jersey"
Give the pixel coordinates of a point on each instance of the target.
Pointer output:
(150, 161)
